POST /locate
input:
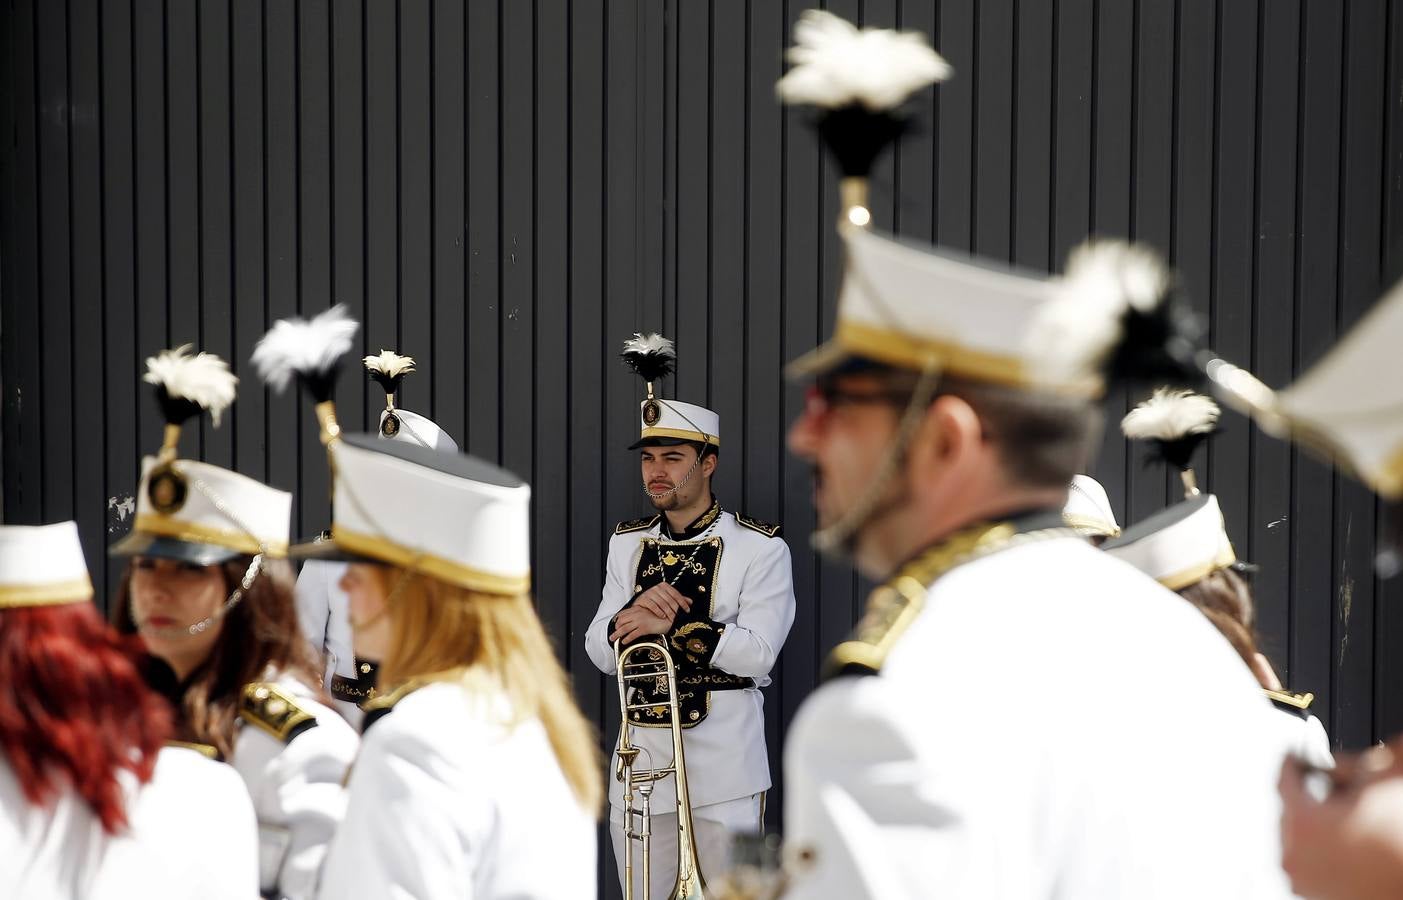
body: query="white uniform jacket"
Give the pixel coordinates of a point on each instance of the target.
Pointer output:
(190, 833)
(448, 798)
(293, 753)
(1301, 734)
(754, 600)
(323, 609)
(1052, 724)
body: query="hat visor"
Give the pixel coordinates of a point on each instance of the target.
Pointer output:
(326, 551)
(821, 360)
(663, 442)
(142, 543)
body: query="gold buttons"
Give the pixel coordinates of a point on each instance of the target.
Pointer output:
(260, 694)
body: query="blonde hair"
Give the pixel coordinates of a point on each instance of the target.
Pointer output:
(436, 627)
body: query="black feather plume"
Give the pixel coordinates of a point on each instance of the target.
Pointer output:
(650, 356)
(1159, 345)
(856, 136)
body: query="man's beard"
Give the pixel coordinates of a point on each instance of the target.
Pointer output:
(667, 501)
(846, 527)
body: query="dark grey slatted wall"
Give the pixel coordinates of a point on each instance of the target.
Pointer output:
(506, 190)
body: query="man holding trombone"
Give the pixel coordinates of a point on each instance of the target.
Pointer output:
(715, 589)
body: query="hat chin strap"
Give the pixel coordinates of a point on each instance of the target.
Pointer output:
(836, 541)
(176, 632)
(663, 495)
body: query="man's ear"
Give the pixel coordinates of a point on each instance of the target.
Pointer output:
(708, 464)
(947, 433)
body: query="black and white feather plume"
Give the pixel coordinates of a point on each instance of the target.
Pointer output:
(1174, 423)
(188, 385)
(859, 80)
(309, 350)
(388, 370)
(1116, 315)
(650, 356)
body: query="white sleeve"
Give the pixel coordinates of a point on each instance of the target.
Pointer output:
(748, 646)
(862, 806)
(214, 811)
(401, 837)
(313, 605)
(310, 801)
(614, 597)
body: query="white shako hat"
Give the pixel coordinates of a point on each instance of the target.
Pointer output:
(411, 428)
(1188, 541)
(1349, 406)
(388, 370)
(448, 515)
(665, 422)
(42, 565)
(1177, 546)
(1088, 509)
(194, 511)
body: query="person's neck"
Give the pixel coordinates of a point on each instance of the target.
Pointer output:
(903, 537)
(678, 519)
(183, 666)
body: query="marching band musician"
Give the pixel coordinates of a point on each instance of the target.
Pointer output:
(91, 804)
(478, 776)
(321, 604)
(209, 592)
(981, 733)
(718, 586)
(1186, 548)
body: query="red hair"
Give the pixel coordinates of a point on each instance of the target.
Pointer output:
(75, 709)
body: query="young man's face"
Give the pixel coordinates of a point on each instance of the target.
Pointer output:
(848, 423)
(666, 472)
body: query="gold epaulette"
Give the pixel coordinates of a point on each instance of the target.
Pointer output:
(765, 528)
(1290, 698)
(208, 751)
(378, 706)
(636, 524)
(275, 711)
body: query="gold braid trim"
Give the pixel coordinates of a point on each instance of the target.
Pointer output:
(894, 605)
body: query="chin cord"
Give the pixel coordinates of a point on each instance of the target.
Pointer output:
(836, 540)
(173, 632)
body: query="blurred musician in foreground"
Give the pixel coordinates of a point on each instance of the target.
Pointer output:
(209, 591)
(478, 776)
(91, 805)
(987, 730)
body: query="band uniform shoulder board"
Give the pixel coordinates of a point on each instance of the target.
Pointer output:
(1291, 702)
(274, 710)
(637, 524)
(380, 705)
(765, 528)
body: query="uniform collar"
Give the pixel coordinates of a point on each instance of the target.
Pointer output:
(698, 525)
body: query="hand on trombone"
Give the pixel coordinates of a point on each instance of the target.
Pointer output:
(652, 612)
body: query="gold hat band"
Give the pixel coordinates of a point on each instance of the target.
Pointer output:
(1180, 580)
(443, 569)
(682, 434)
(55, 593)
(190, 532)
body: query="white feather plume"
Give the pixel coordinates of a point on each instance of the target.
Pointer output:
(837, 64)
(299, 346)
(1077, 329)
(390, 364)
(1170, 415)
(204, 379)
(650, 343)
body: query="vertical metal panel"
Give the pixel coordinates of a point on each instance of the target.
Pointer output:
(506, 190)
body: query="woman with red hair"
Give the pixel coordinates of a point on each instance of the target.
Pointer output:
(92, 804)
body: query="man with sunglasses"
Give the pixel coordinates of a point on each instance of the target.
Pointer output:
(716, 588)
(994, 727)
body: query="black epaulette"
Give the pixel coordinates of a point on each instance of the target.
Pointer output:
(636, 524)
(275, 711)
(765, 528)
(1290, 702)
(379, 706)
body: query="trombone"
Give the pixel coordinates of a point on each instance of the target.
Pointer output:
(650, 661)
